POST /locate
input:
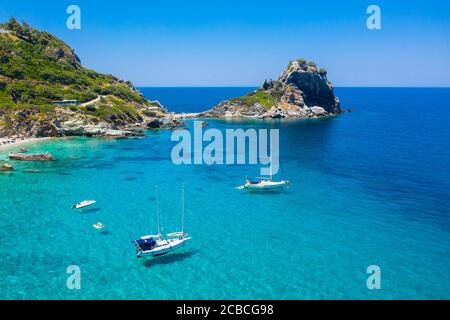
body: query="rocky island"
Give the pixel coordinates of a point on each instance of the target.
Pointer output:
(301, 91)
(46, 92)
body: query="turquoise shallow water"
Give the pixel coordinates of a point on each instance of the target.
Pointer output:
(368, 187)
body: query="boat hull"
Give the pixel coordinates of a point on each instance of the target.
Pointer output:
(84, 204)
(171, 246)
(266, 186)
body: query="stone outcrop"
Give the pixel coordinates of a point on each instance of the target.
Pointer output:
(170, 123)
(32, 157)
(6, 167)
(301, 91)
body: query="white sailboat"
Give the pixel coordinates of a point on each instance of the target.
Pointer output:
(157, 245)
(263, 183)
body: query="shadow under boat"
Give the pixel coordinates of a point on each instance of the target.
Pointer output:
(265, 192)
(89, 210)
(168, 258)
(104, 232)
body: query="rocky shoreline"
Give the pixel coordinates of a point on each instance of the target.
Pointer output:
(82, 128)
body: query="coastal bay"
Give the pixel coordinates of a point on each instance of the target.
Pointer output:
(361, 182)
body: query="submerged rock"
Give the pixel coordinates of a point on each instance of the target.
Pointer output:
(32, 157)
(6, 167)
(33, 171)
(318, 111)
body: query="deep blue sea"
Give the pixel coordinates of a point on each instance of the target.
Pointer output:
(370, 187)
(192, 99)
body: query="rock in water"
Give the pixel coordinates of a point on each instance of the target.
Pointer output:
(301, 91)
(154, 124)
(318, 111)
(6, 167)
(32, 157)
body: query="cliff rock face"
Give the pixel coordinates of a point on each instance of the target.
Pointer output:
(301, 91)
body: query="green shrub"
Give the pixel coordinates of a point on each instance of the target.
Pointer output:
(261, 97)
(150, 113)
(322, 72)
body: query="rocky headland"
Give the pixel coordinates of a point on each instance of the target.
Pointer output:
(45, 91)
(301, 91)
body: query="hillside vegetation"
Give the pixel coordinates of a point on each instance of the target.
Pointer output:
(36, 69)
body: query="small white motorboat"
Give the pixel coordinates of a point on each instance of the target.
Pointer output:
(98, 226)
(84, 204)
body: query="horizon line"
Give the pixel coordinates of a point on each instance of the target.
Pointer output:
(257, 86)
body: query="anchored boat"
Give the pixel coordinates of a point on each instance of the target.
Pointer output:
(263, 183)
(157, 245)
(84, 204)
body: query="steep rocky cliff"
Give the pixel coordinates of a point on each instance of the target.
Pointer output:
(302, 91)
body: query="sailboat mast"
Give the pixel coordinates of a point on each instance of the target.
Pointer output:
(157, 209)
(182, 208)
(270, 172)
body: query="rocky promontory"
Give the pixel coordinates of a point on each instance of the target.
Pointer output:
(302, 91)
(45, 91)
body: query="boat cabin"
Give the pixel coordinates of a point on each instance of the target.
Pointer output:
(146, 244)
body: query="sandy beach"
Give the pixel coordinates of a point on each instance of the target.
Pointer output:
(15, 142)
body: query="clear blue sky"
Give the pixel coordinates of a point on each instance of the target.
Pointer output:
(240, 43)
